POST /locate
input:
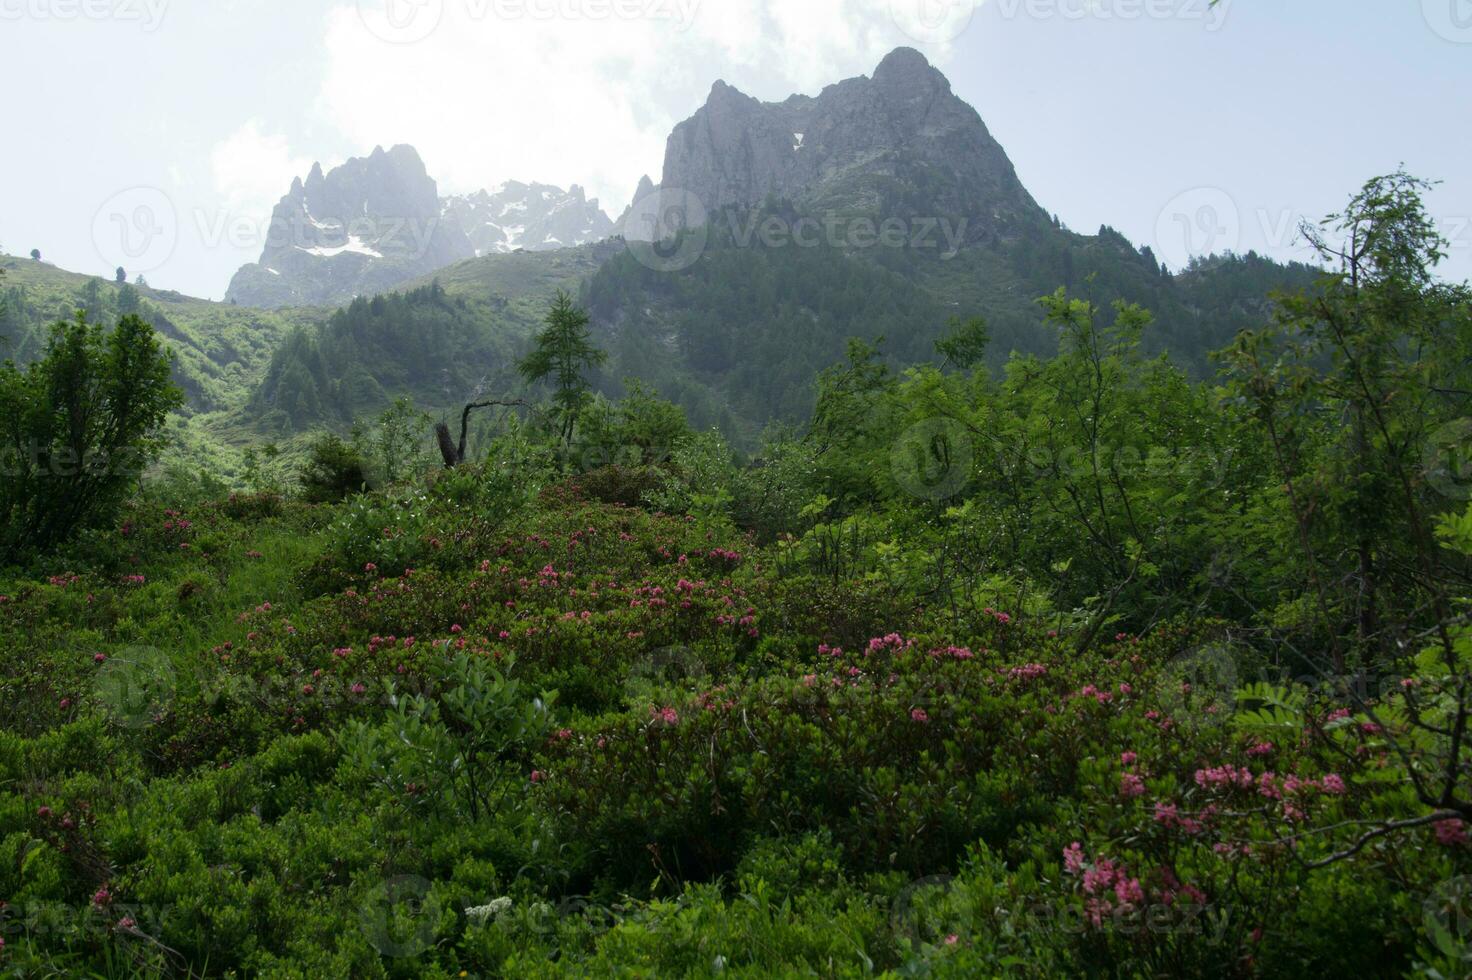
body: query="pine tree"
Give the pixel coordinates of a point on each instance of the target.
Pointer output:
(563, 352)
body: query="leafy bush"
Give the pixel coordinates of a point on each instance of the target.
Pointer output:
(470, 749)
(78, 426)
(334, 470)
(978, 677)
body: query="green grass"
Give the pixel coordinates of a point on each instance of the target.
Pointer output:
(222, 352)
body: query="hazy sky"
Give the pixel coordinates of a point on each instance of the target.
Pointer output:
(1184, 128)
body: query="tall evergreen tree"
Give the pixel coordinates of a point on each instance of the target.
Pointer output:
(562, 353)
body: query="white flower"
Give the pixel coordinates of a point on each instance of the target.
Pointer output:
(482, 914)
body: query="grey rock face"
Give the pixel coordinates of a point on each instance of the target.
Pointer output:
(898, 144)
(643, 195)
(377, 222)
(370, 224)
(536, 217)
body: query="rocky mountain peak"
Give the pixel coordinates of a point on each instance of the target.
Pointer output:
(535, 217)
(898, 143)
(721, 91)
(363, 226)
(905, 66)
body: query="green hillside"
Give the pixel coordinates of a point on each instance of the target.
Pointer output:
(519, 282)
(221, 350)
(736, 339)
(440, 340)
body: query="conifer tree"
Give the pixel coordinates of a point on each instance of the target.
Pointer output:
(563, 353)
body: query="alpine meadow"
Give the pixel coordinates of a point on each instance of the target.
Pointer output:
(823, 561)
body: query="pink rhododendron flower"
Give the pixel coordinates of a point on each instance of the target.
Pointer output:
(1027, 672)
(1228, 776)
(1129, 891)
(1450, 833)
(893, 642)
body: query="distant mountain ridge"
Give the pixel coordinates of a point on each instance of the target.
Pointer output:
(376, 222)
(736, 335)
(536, 217)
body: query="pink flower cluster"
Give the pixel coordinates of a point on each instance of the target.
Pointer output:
(1169, 815)
(1027, 672)
(893, 642)
(1228, 776)
(1105, 882)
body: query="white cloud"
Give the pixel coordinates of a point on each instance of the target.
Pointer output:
(253, 169)
(570, 99)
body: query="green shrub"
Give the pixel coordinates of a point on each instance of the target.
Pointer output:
(78, 427)
(335, 470)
